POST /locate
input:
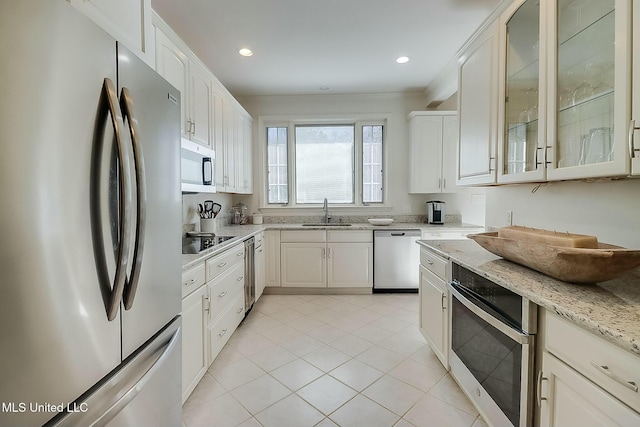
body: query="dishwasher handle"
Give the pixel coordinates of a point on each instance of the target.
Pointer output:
(397, 233)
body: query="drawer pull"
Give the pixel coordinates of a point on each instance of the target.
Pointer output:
(240, 254)
(221, 334)
(240, 310)
(429, 262)
(222, 264)
(605, 370)
(222, 294)
(190, 282)
(240, 278)
(207, 306)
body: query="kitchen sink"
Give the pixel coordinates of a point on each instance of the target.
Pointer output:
(323, 224)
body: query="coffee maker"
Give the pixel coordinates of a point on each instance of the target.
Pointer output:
(435, 212)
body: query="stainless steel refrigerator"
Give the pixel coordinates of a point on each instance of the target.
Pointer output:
(90, 226)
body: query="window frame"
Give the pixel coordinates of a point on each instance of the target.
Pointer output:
(290, 122)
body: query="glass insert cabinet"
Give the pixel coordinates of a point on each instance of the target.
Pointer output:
(565, 90)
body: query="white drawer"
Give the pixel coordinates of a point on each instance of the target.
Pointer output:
(192, 279)
(434, 263)
(350, 236)
(305, 236)
(224, 288)
(219, 332)
(224, 261)
(589, 354)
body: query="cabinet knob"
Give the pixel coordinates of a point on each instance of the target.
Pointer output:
(240, 278)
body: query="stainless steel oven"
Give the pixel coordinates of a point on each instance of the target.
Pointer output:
(492, 347)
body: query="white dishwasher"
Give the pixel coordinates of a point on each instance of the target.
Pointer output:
(396, 257)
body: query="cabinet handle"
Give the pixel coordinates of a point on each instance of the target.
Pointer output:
(429, 262)
(444, 183)
(190, 282)
(328, 252)
(240, 254)
(492, 161)
(444, 304)
(188, 127)
(259, 250)
(193, 132)
(539, 397)
(221, 334)
(222, 264)
(207, 305)
(632, 128)
(240, 278)
(440, 183)
(323, 253)
(222, 294)
(605, 370)
(239, 310)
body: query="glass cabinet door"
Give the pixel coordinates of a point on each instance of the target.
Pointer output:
(590, 116)
(522, 123)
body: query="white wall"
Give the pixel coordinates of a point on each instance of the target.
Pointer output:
(608, 209)
(397, 107)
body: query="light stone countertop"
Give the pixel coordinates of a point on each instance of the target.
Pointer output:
(609, 309)
(242, 232)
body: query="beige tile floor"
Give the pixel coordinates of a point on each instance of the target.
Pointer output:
(329, 360)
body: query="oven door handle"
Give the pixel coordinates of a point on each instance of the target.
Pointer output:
(517, 336)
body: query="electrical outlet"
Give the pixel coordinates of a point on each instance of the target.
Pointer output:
(509, 217)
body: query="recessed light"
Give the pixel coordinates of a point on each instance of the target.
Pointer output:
(402, 60)
(324, 88)
(245, 52)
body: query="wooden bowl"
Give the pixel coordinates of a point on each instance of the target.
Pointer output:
(574, 265)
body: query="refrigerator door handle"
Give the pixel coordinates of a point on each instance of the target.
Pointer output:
(141, 200)
(124, 203)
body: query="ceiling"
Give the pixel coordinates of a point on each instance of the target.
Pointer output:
(347, 46)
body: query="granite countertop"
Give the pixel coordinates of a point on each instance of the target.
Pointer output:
(609, 309)
(242, 232)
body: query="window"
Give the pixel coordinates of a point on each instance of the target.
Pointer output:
(372, 164)
(278, 190)
(308, 162)
(324, 164)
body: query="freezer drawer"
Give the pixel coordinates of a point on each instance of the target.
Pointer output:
(145, 391)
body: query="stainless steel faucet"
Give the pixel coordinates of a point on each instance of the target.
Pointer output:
(325, 208)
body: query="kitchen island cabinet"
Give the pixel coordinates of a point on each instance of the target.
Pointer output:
(584, 380)
(435, 272)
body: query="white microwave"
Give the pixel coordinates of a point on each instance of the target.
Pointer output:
(197, 168)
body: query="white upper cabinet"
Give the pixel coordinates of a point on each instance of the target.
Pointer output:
(635, 124)
(172, 64)
(589, 92)
(477, 109)
(210, 115)
(433, 139)
(128, 21)
(200, 106)
(521, 123)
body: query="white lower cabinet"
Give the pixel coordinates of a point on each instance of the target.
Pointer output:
(585, 380)
(434, 320)
(272, 257)
(220, 330)
(326, 259)
(569, 399)
(260, 267)
(303, 265)
(194, 357)
(349, 265)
